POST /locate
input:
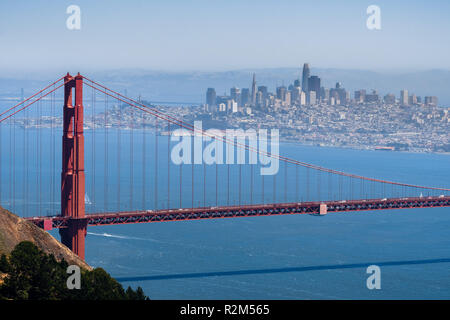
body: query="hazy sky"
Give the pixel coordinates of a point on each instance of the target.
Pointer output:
(222, 35)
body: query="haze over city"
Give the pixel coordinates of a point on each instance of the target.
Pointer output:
(222, 35)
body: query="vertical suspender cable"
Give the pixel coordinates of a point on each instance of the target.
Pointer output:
(318, 185)
(181, 183)
(1, 153)
(119, 152)
(274, 188)
(204, 184)
(285, 182)
(330, 181)
(93, 150)
(10, 161)
(307, 185)
(251, 183)
(192, 180)
(23, 174)
(217, 184)
(372, 190)
(262, 194)
(240, 182)
(168, 164)
(296, 183)
(228, 185)
(27, 161)
(156, 163)
(40, 156)
(131, 157)
(105, 178)
(361, 189)
(144, 173)
(53, 152)
(13, 118)
(351, 188)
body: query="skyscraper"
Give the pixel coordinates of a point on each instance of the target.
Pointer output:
(296, 94)
(360, 96)
(312, 97)
(281, 93)
(325, 93)
(235, 94)
(404, 99)
(314, 85)
(245, 96)
(302, 98)
(259, 99)
(305, 77)
(287, 98)
(263, 90)
(389, 98)
(412, 99)
(340, 95)
(254, 90)
(372, 97)
(431, 101)
(211, 97)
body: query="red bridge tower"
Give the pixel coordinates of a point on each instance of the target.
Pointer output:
(72, 176)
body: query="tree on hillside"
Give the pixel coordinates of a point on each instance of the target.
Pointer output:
(4, 264)
(34, 275)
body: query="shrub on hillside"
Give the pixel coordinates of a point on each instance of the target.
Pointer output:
(34, 275)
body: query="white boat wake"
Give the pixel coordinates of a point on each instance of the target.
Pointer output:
(108, 235)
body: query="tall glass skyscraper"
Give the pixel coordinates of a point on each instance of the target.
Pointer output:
(305, 77)
(211, 97)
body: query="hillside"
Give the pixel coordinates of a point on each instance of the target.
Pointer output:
(14, 229)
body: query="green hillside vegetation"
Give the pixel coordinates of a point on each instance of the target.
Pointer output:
(28, 273)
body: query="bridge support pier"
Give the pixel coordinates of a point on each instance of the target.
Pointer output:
(74, 235)
(72, 175)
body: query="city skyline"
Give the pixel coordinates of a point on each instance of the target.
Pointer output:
(158, 86)
(305, 90)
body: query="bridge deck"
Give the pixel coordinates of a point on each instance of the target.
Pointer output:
(315, 208)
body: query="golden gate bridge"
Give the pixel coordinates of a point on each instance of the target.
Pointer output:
(227, 192)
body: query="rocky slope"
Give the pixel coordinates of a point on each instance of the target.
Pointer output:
(14, 229)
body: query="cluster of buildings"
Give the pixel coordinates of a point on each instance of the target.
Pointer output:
(306, 91)
(361, 96)
(308, 113)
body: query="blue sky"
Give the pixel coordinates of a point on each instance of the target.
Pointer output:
(223, 35)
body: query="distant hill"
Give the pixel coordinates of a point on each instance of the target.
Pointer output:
(14, 230)
(190, 87)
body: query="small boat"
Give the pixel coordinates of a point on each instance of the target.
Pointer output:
(86, 199)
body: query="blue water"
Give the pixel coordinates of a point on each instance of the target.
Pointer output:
(284, 257)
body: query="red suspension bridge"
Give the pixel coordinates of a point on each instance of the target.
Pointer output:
(125, 149)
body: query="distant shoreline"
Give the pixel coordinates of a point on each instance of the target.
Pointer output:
(282, 140)
(356, 148)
